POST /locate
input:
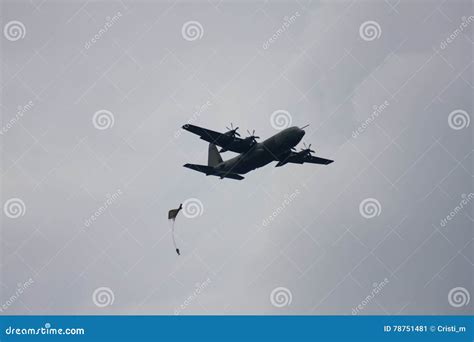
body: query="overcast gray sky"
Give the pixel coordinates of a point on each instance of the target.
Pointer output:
(148, 67)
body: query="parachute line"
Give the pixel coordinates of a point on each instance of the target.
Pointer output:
(172, 223)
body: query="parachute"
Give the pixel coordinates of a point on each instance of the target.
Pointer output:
(172, 214)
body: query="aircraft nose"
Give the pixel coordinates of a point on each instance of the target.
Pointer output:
(301, 134)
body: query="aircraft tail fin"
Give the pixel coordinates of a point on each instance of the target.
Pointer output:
(214, 157)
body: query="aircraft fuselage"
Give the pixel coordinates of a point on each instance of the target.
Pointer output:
(263, 153)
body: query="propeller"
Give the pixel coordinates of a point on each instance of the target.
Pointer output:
(307, 149)
(252, 137)
(232, 131)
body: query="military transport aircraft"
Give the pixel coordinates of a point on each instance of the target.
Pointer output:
(252, 154)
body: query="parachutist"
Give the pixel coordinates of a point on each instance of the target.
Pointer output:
(172, 214)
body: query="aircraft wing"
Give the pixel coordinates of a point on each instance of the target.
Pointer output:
(299, 158)
(225, 141)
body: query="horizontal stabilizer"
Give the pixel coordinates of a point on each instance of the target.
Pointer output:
(231, 176)
(210, 171)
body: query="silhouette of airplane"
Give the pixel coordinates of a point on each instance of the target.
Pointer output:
(252, 154)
